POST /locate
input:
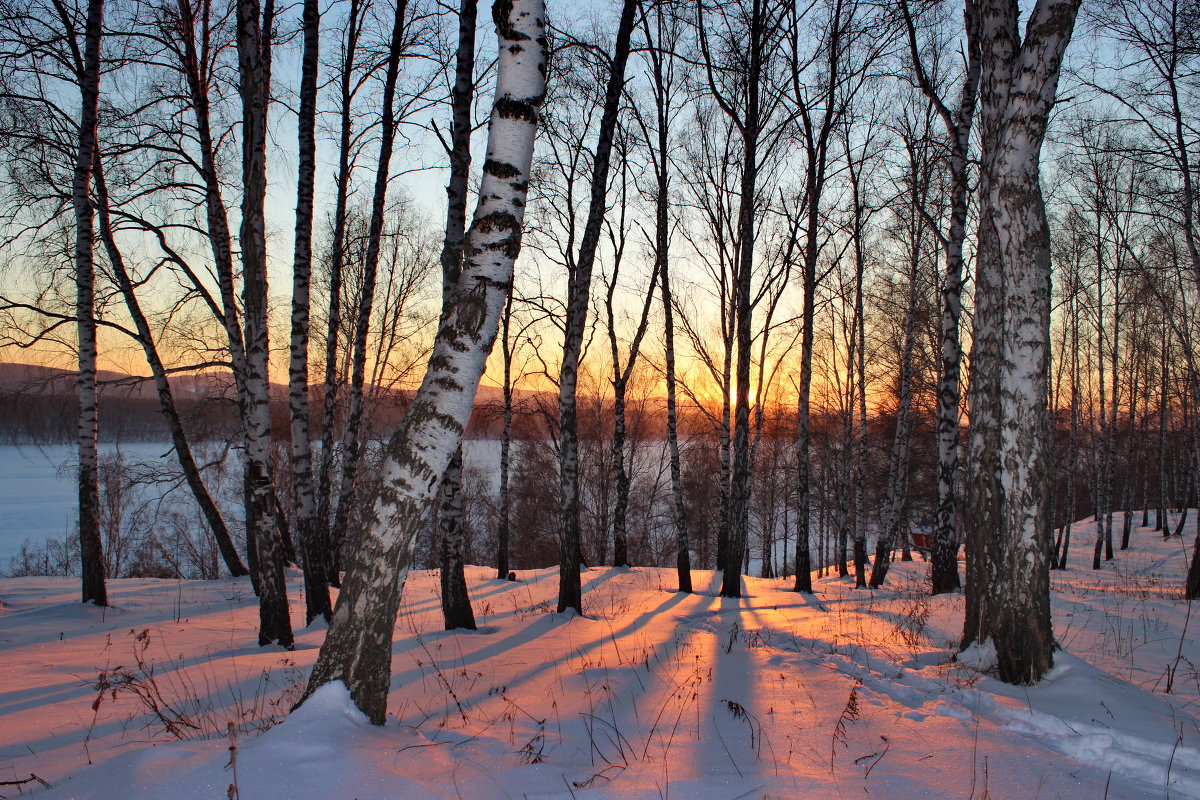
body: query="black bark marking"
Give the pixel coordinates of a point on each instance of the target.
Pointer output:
(500, 169)
(510, 108)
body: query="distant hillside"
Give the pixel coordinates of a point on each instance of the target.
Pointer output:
(37, 404)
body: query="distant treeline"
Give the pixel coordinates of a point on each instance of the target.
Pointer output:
(47, 415)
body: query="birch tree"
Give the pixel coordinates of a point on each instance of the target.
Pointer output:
(347, 89)
(740, 45)
(357, 650)
(456, 603)
(916, 135)
(308, 528)
(266, 547)
(352, 440)
(1007, 530)
(823, 82)
(90, 548)
(662, 32)
(579, 286)
(958, 122)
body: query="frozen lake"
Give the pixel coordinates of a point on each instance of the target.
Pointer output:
(38, 495)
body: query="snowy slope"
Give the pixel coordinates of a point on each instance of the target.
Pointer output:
(654, 694)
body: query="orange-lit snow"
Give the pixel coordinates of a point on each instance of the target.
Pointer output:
(652, 695)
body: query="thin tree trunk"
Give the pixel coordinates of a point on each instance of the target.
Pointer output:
(1161, 520)
(621, 377)
(254, 36)
(502, 533)
(897, 496)
(660, 156)
(166, 399)
(944, 552)
(310, 531)
(683, 566)
(196, 66)
(1073, 440)
(91, 550)
(352, 437)
(724, 452)
(860, 474)
(358, 647)
(578, 291)
(1129, 476)
(337, 260)
(456, 600)
(750, 128)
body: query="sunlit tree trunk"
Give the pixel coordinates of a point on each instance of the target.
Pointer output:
(358, 648)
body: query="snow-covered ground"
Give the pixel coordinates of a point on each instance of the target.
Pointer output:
(653, 694)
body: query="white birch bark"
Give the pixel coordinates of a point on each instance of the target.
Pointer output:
(254, 32)
(90, 547)
(1008, 586)
(357, 649)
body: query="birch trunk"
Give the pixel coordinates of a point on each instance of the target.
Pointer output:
(661, 87)
(662, 225)
(739, 478)
(944, 552)
(1162, 521)
(310, 532)
(1008, 586)
(816, 132)
(502, 532)
(358, 649)
(860, 473)
(1072, 441)
(621, 377)
(90, 548)
(197, 64)
(456, 601)
(897, 495)
(254, 35)
(578, 293)
(813, 190)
